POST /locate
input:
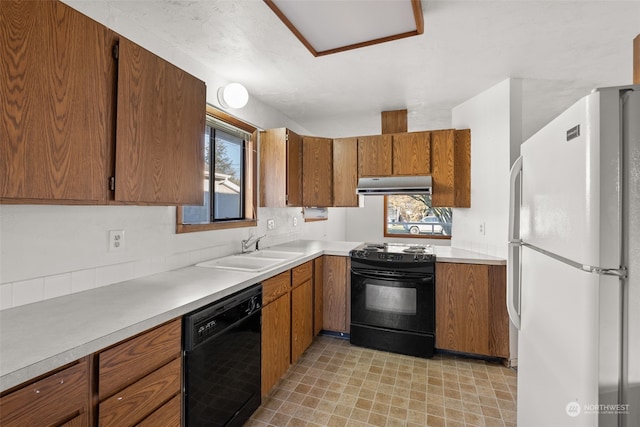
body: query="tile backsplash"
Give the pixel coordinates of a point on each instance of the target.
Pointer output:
(51, 251)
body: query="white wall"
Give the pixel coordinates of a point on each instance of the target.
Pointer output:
(366, 224)
(48, 251)
(488, 115)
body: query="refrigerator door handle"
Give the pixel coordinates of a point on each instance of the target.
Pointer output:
(513, 256)
(514, 205)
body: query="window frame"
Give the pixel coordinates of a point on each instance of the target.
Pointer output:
(250, 202)
(407, 235)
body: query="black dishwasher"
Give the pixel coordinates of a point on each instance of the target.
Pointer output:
(222, 356)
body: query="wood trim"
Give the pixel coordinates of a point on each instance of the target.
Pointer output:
(418, 15)
(394, 121)
(417, 11)
(636, 60)
(462, 167)
(291, 27)
(251, 181)
(228, 118)
(407, 236)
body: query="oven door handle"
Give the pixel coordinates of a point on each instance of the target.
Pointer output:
(390, 275)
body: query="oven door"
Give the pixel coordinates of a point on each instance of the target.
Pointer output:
(393, 300)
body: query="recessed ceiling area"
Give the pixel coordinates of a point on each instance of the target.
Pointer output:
(468, 46)
(327, 27)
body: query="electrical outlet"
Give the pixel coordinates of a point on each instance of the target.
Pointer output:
(271, 224)
(295, 221)
(482, 228)
(116, 240)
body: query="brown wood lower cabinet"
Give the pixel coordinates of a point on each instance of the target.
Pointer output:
(471, 312)
(301, 309)
(318, 286)
(61, 398)
(336, 294)
(276, 329)
(287, 320)
(140, 376)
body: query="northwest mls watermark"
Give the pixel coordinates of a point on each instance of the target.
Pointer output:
(574, 408)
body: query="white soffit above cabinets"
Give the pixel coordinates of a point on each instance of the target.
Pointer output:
(327, 27)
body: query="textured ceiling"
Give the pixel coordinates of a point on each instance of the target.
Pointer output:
(467, 47)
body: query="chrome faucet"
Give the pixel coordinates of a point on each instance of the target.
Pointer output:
(250, 241)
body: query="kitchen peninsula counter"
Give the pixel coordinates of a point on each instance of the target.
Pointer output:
(40, 337)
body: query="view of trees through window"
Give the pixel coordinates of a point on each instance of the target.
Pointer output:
(413, 215)
(224, 191)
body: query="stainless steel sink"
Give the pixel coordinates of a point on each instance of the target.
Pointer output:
(252, 261)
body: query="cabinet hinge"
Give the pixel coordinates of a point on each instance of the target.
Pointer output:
(112, 183)
(116, 50)
(286, 137)
(286, 197)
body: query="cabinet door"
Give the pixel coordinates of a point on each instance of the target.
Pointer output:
(317, 172)
(462, 307)
(127, 362)
(51, 400)
(301, 319)
(273, 168)
(412, 153)
(345, 172)
(294, 169)
(276, 341)
(451, 168)
(318, 283)
(280, 168)
(56, 91)
(334, 291)
(374, 155)
(159, 130)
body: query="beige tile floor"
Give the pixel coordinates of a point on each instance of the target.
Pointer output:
(337, 384)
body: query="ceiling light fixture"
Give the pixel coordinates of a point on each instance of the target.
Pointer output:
(233, 95)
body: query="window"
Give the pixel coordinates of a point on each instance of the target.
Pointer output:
(229, 185)
(413, 216)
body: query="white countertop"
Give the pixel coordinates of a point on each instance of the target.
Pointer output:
(37, 338)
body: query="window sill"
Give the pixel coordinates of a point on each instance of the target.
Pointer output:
(222, 225)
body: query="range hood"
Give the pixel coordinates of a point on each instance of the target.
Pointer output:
(389, 185)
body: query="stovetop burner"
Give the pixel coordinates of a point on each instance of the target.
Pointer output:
(399, 252)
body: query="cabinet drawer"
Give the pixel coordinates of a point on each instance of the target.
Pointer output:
(136, 402)
(51, 400)
(168, 415)
(275, 287)
(131, 360)
(301, 274)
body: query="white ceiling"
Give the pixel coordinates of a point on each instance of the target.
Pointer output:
(467, 47)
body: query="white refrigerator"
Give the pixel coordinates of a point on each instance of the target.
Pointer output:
(574, 265)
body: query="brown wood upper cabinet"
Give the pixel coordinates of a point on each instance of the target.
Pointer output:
(451, 168)
(345, 172)
(160, 127)
(395, 154)
(411, 153)
(317, 171)
(280, 168)
(374, 155)
(57, 86)
(58, 139)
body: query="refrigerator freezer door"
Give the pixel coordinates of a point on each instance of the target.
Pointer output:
(557, 344)
(569, 205)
